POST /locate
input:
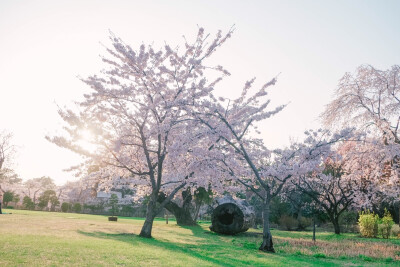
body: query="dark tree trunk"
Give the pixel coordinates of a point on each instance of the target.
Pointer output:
(150, 215)
(336, 226)
(0, 208)
(313, 233)
(267, 244)
(182, 214)
(196, 215)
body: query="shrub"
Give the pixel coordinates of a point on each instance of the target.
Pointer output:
(77, 207)
(287, 222)
(7, 197)
(396, 230)
(113, 204)
(368, 223)
(304, 222)
(28, 203)
(65, 206)
(386, 224)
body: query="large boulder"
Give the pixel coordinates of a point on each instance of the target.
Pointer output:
(232, 216)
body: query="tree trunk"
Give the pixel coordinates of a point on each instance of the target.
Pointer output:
(196, 215)
(182, 214)
(313, 232)
(150, 215)
(267, 245)
(336, 225)
(0, 208)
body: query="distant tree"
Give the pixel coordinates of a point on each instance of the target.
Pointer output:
(16, 199)
(48, 196)
(346, 179)
(7, 150)
(201, 196)
(127, 209)
(7, 197)
(34, 187)
(28, 203)
(113, 204)
(279, 208)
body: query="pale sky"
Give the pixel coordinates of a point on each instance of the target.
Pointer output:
(45, 45)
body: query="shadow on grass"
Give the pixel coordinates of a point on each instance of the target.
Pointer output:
(207, 250)
(216, 249)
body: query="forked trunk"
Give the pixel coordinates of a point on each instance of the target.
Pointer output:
(150, 215)
(182, 214)
(267, 244)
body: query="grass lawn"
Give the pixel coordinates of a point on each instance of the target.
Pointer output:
(33, 238)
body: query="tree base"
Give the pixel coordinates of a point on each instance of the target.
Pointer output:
(267, 249)
(145, 235)
(267, 245)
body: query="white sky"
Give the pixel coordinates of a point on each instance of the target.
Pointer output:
(45, 45)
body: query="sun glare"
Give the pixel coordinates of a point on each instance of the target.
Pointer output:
(86, 135)
(86, 140)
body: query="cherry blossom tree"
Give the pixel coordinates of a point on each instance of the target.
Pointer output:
(7, 150)
(7, 176)
(369, 100)
(36, 186)
(331, 188)
(138, 113)
(245, 158)
(48, 196)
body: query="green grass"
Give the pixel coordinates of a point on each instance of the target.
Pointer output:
(32, 238)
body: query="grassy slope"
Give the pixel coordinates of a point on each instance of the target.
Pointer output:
(30, 238)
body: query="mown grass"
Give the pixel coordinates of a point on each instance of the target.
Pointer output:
(29, 238)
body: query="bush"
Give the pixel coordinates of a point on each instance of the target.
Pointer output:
(28, 203)
(386, 224)
(396, 230)
(77, 207)
(7, 197)
(304, 222)
(368, 223)
(287, 222)
(65, 206)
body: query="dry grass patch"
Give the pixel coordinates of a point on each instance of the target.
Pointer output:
(341, 248)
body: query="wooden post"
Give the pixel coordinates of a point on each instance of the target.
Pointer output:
(313, 233)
